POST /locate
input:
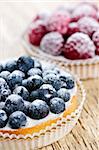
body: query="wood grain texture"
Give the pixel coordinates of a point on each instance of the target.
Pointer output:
(14, 19)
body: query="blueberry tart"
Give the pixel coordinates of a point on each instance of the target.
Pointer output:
(34, 98)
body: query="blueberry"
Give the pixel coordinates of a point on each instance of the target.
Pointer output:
(19, 73)
(25, 63)
(47, 72)
(33, 82)
(49, 78)
(4, 74)
(25, 83)
(3, 118)
(70, 83)
(14, 79)
(37, 64)
(2, 104)
(11, 65)
(3, 84)
(38, 109)
(34, 95)
(63, 77)
(13, 103)
(47, 92)
(34, 71)
(17, 120)
(46, 95)
(4, 93)
(26, 107)
(1, 67)
(54, 80)
(22, 91)
(50, 71)
(57, 105)
(64, 94)
(48, 87)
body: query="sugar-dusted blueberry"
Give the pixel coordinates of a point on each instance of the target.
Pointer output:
(3, 84)
(47, 92)
(26, 107)
(49, 78)
(25, 63)
(13, 103)
(4, 74)
(51, 71)
(64, 94)
(25, 83)
(2, 104)
(46, 95)
(34, 71)
(1, 67)
(4, 93)
(70, 83)
(37, 64)
(34, 95)
(22, 91)
(3, 118)
(62, 77)
(48, 87)
(14, 79)
(38, 109)
(11, 65)
(19, 73)
(17, 120)
(57, 105)
(54, 80)
(34, 82)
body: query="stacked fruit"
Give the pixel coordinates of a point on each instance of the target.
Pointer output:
(72, 33)
(29, 89)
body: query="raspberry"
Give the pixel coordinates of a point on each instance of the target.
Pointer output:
(90, 4)
(88, 25)
(59, 22)
(84, 10)
(79, 46)
(95, 39)
(37, 31)
(69, 8)
(52, 43)
(43, 15)
(72, 28)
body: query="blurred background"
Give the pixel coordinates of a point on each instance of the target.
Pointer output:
(15, 16)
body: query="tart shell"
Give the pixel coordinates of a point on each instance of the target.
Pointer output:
(42, 126)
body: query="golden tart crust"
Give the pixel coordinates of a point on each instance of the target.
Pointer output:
(42, 126)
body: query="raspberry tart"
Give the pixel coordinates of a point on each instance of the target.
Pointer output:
(68, 37)
(38, 102)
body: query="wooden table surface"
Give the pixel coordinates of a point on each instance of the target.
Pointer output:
(14, 18)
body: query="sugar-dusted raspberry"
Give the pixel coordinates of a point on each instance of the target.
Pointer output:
(42, 15)
(66, 8)
(52, 43)
(90, 4)
(95, 39)
(88, 25)
(59, 21)
(83, 10)
(72, 28)
(36, 32)
(79, 46)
